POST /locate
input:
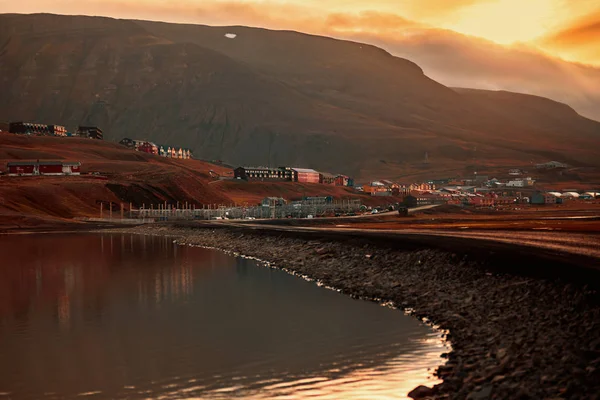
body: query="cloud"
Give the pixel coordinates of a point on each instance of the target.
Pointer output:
(371, 21)
(437, 8)
(579, 40)
(458, 60)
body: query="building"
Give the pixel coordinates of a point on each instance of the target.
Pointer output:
(128, 143)
(27, 128)
(551, 165)
(305, 175)
(520, 182)
(272, 202)
(317, 200)
(570, 195)
(377, 188)
(480, 201)
(263, 174)
(30, 168)
(422, 186)
(147, 147)
(343, 180)
(90, 132)
(327, 178)
(417, 199)
(543, 198)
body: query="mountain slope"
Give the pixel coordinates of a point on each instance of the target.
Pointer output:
(268, 97)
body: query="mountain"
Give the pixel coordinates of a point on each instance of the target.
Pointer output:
(454, 59)
(254, 96)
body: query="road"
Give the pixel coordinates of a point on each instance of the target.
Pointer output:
(570, 243)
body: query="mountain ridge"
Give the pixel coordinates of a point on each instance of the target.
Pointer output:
(322, 103)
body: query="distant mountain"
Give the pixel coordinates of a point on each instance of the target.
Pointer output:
(272, 97)
(454, 59)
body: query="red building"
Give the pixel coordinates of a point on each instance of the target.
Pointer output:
(342, 180)
(27, 168)
(147, 147)
(327, 179)
(305, 175)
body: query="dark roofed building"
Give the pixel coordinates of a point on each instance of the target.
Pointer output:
(92, 132)
(262, 174)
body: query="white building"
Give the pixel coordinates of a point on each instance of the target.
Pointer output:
(520, 182)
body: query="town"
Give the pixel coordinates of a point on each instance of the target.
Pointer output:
(514, 186)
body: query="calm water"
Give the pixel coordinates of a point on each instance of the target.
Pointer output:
(122, 316)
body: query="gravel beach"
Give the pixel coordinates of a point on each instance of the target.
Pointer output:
(513, 336)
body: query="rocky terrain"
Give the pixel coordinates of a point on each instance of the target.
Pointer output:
(513, 336)
(273, 98)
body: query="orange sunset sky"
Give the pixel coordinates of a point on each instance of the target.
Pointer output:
(569, 29)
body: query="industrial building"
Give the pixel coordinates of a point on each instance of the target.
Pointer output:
(30, 168)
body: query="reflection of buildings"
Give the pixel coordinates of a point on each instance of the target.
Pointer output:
(75, 272)
(64, 311)
(171, 284)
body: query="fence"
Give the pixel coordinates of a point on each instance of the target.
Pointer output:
(302, 209)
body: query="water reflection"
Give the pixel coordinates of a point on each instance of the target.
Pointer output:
(124, 316)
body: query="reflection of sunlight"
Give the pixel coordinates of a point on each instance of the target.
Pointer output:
(393, 379)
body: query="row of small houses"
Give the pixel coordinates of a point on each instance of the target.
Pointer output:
(29, 128)
(30, 168)
(303, 175)
(151, 148)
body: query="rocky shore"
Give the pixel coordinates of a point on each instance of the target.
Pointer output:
(512, 336)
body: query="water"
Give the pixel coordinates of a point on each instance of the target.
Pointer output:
(123, 316)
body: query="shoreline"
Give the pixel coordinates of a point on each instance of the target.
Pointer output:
(512, 336)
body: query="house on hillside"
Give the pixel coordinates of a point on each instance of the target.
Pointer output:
(263, 174)
(327, 179)
(28, 128)
(305, 175)
(90, 132)
(28, 168)
(343, 180)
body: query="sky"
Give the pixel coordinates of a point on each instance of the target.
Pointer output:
(567, 29)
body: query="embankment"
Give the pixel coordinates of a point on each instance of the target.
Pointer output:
(514, 335)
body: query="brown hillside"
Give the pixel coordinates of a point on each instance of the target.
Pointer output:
(124, 176)
(270, 97)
